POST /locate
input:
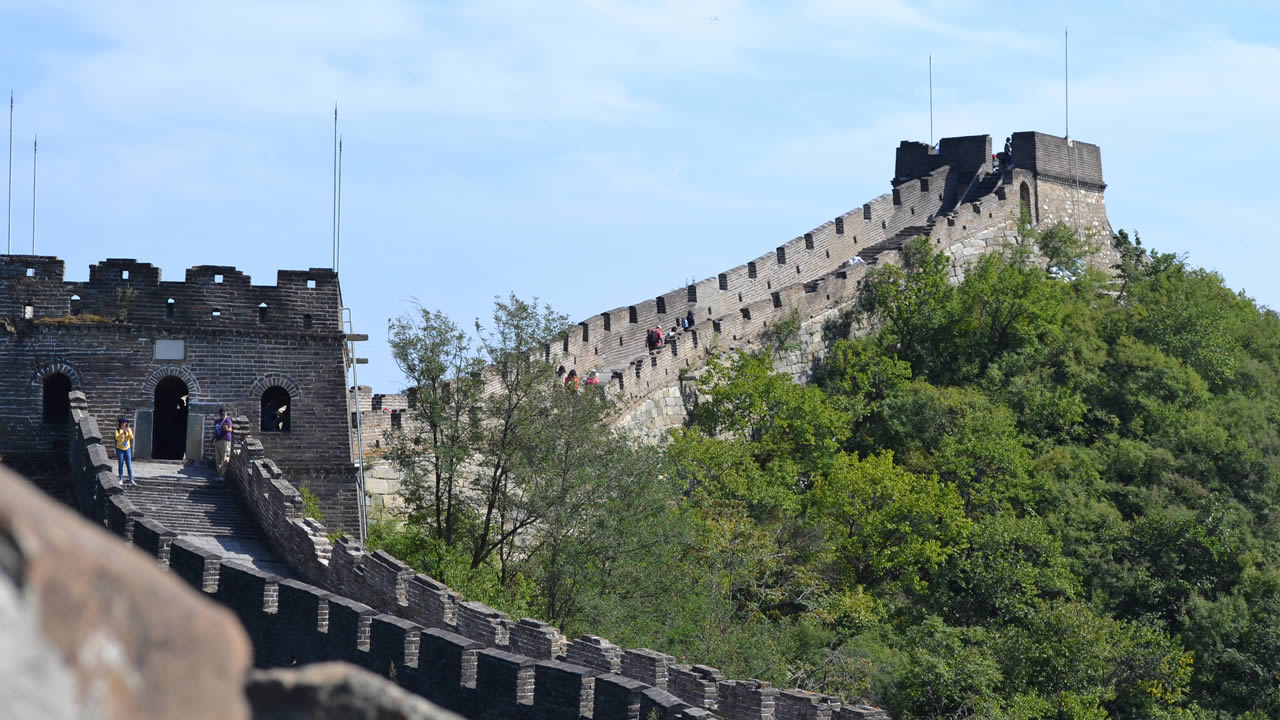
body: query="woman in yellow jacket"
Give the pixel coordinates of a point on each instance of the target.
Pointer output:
(124, 450)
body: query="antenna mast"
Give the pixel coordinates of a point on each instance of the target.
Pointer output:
(9, 237)
(35, 148)
(337, 244)
(333, 252)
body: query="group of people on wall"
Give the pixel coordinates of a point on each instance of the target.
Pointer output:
(655, 339)
(572, 382)
(222, 437)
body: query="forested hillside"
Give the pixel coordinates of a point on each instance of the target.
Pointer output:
(1048, 492)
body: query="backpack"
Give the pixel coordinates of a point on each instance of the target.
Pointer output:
(220, 431)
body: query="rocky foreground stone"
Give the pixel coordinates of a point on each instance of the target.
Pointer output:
(91, 628)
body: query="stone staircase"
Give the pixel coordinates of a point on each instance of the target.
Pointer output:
(870, 255)
(982, 188)
(202, 508)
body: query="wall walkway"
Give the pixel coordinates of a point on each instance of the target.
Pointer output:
(371, 610)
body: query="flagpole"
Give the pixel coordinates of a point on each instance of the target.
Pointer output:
(35, 148)
(338, 221)
(930, 100)
(1066, 84)
(9, 236)
(333, 252)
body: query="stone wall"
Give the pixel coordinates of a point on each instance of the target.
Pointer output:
(225, 339)
(1063, 160)
(951, 196)
(371, 610)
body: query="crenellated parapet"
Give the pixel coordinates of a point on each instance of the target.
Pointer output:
(956, 194)
(371, 610)
(167, 355)
(212, 297)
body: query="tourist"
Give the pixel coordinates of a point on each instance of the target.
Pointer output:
(593, 379)
(222, 435)
(124, 450)
(571, 381)
(560, 373)
(654, 338)
(688, 320)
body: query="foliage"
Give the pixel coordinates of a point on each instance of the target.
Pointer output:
(784, 335)
(311, 505)
(516, 491)
(81, 319)
(124, 299)
(1036, 493)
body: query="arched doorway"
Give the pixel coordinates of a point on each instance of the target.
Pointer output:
(1024, 202)
(169, 429)
(275, 409)
(56, 405)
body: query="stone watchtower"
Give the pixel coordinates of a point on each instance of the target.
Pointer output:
(1056, 178)
(167, 355)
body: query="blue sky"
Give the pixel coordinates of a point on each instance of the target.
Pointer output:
(596, 153)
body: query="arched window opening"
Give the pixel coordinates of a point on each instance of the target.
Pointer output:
(262, 313)
(276, 407)
(75, 304)
(168, 308)
(1024, 201)
(57, 407)
(306, 322)
(169, 426)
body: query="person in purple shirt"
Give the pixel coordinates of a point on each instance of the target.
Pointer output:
(222, 431)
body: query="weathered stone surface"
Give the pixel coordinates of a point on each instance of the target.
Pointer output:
(93, 629)
(334, 691)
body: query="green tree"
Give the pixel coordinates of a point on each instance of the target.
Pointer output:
(912, 303)
(886, 524)
(970, 442)
(794, 430)
(444, 427)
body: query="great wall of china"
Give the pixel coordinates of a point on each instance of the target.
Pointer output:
(340, 601)
(954, 196)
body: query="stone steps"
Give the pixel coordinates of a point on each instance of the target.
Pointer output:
(190, 504)
(896, 242)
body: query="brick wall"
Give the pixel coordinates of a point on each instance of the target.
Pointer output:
(229, 359)
(1052, 157)
(369, 609)
(806, 279)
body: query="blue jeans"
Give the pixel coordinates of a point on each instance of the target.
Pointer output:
(124, 459)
